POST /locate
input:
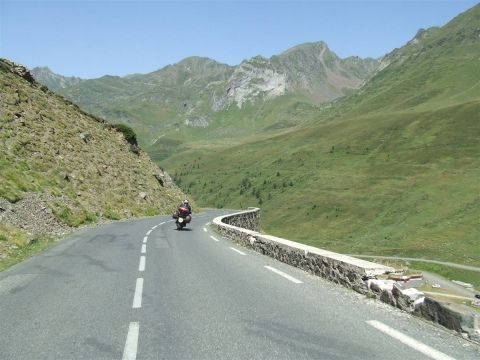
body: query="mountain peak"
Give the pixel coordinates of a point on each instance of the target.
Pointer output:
(307, 47)
(42, 69)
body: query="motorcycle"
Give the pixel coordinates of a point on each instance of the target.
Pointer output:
(182, 217)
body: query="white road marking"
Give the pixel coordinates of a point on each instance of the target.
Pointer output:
(145, 239)
(137, 298)
(149, 232)
(204, 229)
(154, 227)
(131, 345)
(238, 251)
(214, 238)
(407, 340)
(144, 248)
(162, 223)
(281, 273)
(141, 266)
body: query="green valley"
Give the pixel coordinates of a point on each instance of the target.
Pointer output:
(390, 170)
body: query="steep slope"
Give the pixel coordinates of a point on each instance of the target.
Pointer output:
(175, 103)
(390, 170)
(61, 167)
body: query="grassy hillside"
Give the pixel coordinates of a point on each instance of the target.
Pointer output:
(60, 167)
(391, 170)
(406, 186)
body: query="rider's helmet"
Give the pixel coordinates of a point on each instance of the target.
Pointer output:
(185, 202)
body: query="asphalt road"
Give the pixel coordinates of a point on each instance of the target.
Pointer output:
(142, 290)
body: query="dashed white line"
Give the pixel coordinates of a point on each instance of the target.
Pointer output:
(145, 239)
(141, 266)
(214, 238)
(144, 248)
(137, 298)
(149, 232)
(407, 340)
(131, 345)
(238, 251)
(205, 229)
(154, 227)
(281, 273)
(162, 223)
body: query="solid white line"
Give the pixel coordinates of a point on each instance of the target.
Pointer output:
(131, 345)
(144, 248)
(238, 251)
(214, 238)
(137, 298)
(141, 266)
(204, 229)
(145, 239)
(149, 232)
(407, 340)
(281, 273)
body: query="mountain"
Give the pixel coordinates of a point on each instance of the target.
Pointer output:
(392, 169)
(200, 93)
(308, 68)
(61, 167)
(53, 81)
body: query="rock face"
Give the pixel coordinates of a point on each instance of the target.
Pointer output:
(254, 79)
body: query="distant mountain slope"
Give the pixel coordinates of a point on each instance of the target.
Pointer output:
(191, 93)
(60, 166)
(439, 66)
(390, 170)
(53, 81)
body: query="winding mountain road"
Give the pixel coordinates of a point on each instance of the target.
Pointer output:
(142, 290)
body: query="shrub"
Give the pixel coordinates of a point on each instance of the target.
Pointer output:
(127, 132)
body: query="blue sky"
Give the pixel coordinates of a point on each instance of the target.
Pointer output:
(93, 38)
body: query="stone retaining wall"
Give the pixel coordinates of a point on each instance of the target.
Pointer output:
(357, 274)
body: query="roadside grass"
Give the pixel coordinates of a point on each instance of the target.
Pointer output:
(17, 245)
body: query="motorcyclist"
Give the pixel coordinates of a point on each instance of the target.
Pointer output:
(186, 204)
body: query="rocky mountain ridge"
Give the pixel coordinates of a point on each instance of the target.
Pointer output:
(191, 92)
(54, 81)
